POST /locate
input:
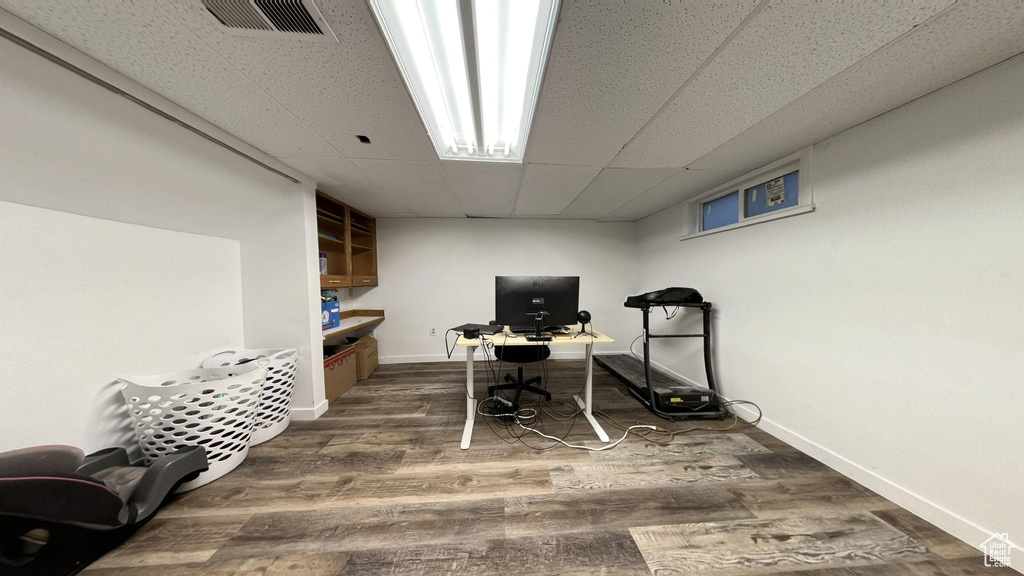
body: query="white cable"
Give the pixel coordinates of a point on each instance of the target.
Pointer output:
(524, 413)
(616, 443)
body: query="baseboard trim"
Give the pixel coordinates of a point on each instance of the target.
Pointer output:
(956, 525)
(945, 519)
(310, 413)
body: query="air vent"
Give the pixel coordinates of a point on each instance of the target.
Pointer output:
(271, 18)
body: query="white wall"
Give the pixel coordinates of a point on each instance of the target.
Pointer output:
(440, 272)
(86, 301)
(882, 333)
(72, 146)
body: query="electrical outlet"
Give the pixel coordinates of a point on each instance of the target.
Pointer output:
(433, 330)
(373, 333)
(351, 292)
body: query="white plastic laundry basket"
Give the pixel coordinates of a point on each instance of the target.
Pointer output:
(210, 407)
(276, 405)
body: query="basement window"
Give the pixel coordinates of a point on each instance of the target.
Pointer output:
(778, 190)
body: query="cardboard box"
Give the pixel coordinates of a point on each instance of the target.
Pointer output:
(366, 357)
(330, 314)
(339, 370)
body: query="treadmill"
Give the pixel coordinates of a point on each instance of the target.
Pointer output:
(663, 395)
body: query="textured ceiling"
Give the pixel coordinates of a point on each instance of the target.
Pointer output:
(643, 104)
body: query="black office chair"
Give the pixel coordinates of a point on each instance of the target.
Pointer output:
(521, 355)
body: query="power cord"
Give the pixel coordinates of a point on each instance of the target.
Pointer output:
(533, 414)
(564, 443)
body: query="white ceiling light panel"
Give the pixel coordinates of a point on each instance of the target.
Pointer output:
(473, 68)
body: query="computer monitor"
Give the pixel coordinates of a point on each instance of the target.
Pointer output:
(518, 299)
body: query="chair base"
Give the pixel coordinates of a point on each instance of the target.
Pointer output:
(519, 385)
(526, 388)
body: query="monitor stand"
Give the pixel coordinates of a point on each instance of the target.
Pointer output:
(539, 335)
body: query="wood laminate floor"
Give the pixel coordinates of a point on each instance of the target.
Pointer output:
(379, 485)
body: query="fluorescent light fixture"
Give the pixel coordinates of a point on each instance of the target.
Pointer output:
(473, 68)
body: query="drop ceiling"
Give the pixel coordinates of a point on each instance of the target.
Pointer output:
(644, 103)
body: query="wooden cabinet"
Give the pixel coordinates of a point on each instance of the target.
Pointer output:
(349, 239)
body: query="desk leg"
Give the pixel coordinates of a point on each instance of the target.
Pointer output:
(587, 402)
(467, 432)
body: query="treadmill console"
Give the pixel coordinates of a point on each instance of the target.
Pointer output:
(674, 296)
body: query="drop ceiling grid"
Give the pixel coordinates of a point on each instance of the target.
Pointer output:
(786, 51)
(421, 186)
(547, 189)
(339, 89)
(677, 187)
(341, 178)
(612, 188)
(613, 65)
(484, 189)
(959, 42)
(144, 44)
(143, 41)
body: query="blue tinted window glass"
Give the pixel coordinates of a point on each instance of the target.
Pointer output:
(775, 194)
(720, 211)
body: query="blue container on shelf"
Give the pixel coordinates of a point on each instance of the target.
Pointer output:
(330, 314)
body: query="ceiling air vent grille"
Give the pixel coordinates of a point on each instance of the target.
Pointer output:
(237, 14)
(288, 16)
(271, 18)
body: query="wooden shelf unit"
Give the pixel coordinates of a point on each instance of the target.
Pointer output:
(352, 320)
(352, 252)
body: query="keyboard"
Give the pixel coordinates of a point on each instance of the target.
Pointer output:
(529, 329)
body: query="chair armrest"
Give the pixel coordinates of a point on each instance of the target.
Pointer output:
(163, 477)
(103, 459)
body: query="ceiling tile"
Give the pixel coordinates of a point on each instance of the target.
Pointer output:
(484, 189)
(797, 74)
(967, 38)
(612, 188)
(420, 186)
(787, 50)
(343, 180)
(964, 39)
(680, 186)
(536, 216)
(613, 65)
(548, 188)
(338, 90)
(142, 42)
(335, 170)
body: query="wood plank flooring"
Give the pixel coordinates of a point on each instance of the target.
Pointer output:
(379, 485)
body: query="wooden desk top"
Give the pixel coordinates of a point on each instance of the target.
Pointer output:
(506, 339)
(352, 320)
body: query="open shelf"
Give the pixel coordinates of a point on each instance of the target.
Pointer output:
(325, 216)
(327, 244)
(352, 320)
(352, 255)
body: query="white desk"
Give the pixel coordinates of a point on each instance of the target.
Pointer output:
(499, 339)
